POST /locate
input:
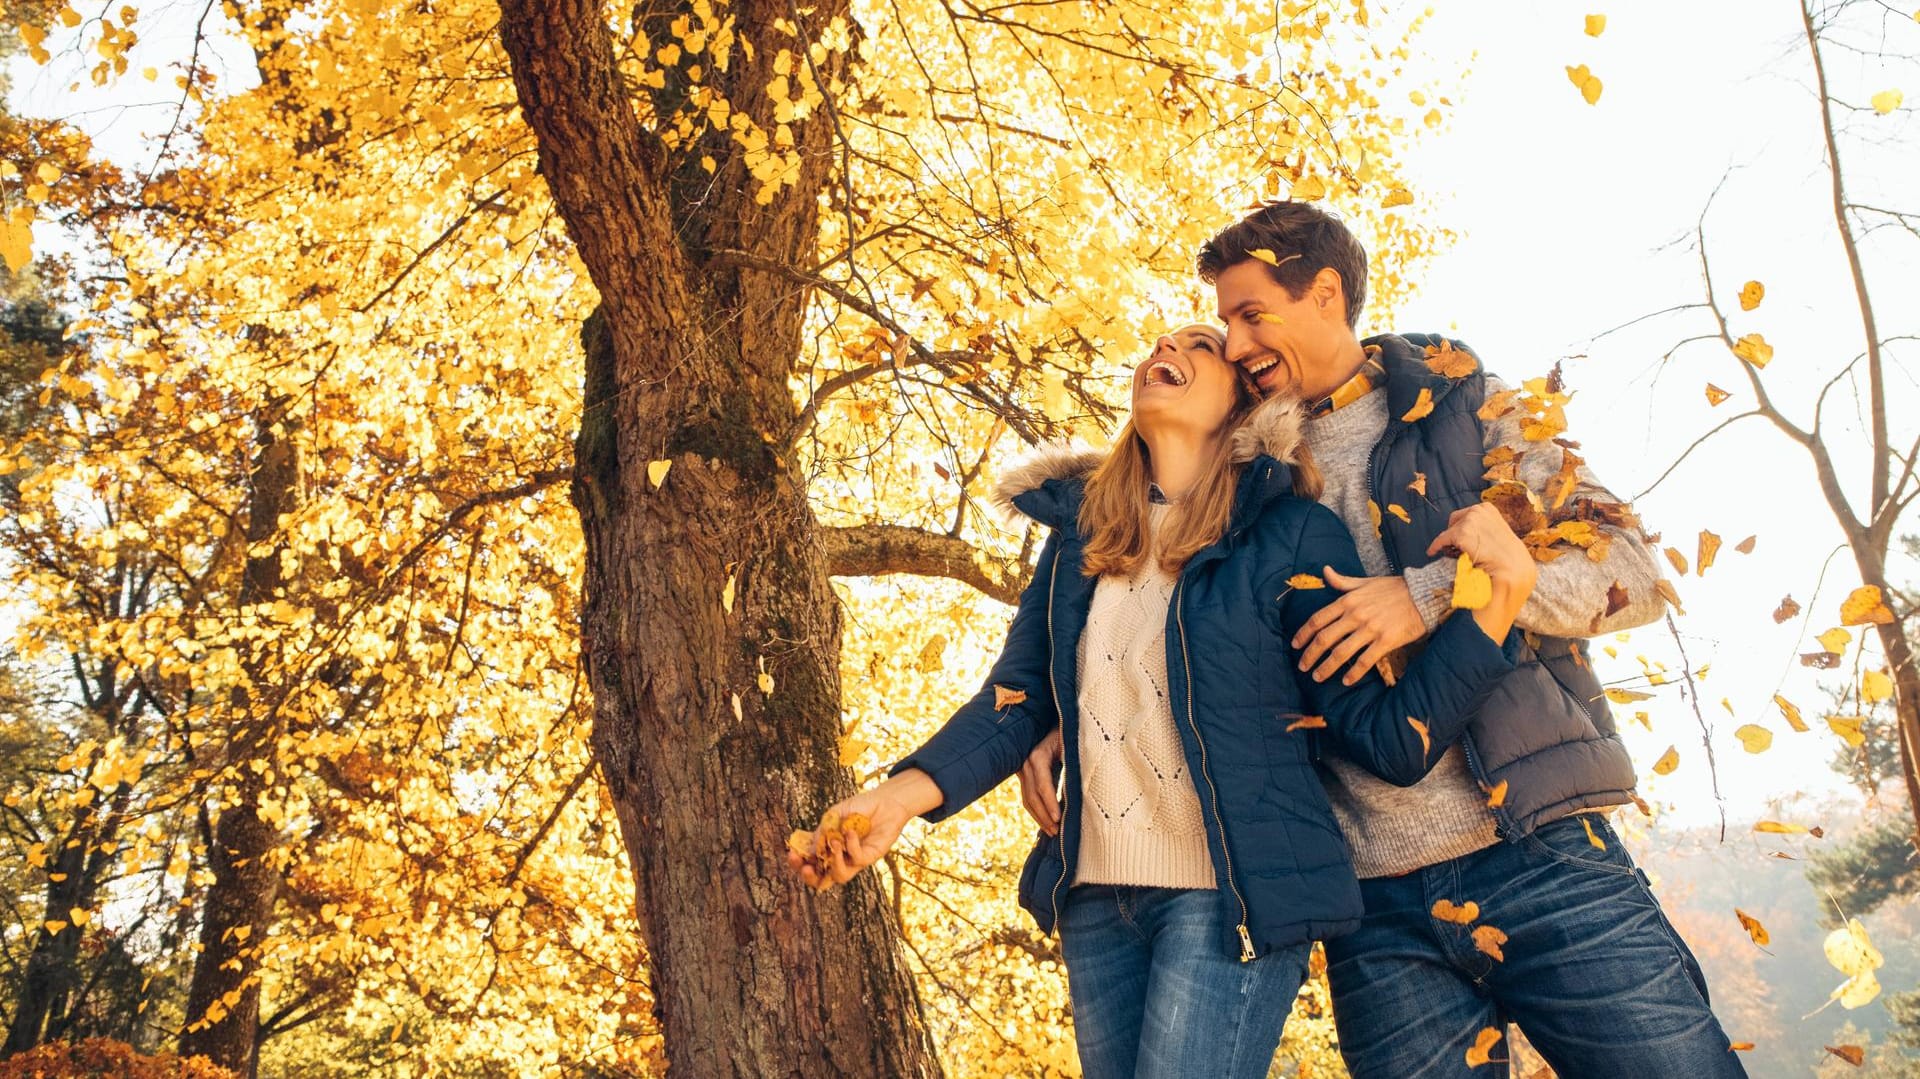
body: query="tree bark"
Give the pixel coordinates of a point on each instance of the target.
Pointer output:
(700, 580)
(223, 999)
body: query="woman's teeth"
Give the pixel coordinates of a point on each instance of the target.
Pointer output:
(1163, 372)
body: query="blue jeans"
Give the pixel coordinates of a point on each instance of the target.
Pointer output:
(1154, 994)
(1594, 973)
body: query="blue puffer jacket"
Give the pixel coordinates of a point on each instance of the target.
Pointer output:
(1281, 865)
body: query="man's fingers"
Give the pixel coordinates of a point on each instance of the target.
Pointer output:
(1320, 620)
(1326, 639)
(1450, 537)
(1367, 661)
(1340, 580)
(1346, 650)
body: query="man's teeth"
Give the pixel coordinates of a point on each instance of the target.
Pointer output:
(1260, 365)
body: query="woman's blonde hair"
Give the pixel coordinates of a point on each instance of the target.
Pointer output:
(1115, 512)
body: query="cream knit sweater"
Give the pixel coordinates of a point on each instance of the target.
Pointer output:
(1140, 819)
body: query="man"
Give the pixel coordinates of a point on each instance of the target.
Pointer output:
(1495, 888)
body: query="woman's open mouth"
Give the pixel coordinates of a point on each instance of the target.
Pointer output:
(1163, 373)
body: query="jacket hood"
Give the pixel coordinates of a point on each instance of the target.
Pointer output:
(1044, 484)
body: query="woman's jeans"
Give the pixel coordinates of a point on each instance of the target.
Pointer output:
(1156, 995)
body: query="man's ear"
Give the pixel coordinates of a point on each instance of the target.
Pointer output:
(1329, 292)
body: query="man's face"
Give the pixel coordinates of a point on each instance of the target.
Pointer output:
(1303, 348)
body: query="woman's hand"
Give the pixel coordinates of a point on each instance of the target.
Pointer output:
(1484, 536)
(887, 807)
(1036, 783)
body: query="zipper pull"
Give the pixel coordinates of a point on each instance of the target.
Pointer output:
(1246, 944)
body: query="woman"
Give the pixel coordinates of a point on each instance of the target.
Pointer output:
(1203, 859)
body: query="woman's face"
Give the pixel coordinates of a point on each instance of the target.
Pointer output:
(1186, 383)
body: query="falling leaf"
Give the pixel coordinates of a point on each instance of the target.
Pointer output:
(1886, 101)
(1584, 79)
(1820, 661)
(1627, 696)
(1709, 549)
(1399, 196)
(1753, 927)
(1715, 394)
(1835, 640)
(1449, 362)
(1005, 697)
(657, 472)
(1875, 687)
(1305, 581)
(1419, 484)
(1426, 742)
(1482, 1050)
(1853, 954)
(1596, 25)
(1774, 827)
(1679, 561)
(1307, 189)
(1852, 1054)
(1791, 712)
(1264, 255)
(1741, 1047)
(1488, 940)
(1308, 723)
(1754, 738)
(1400, 512)
(1787, 609)
(1849, 729)
(1665, 588)
(1459, 914)
(1591, 838)
(1422, 405)
(1754, 349)
(1745, 546)
(1863, 606)
(1498, 796)
(1751, 294)
(1472, 588)
(851, 749)
(1667, 763)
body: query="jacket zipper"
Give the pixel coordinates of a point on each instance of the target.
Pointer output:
(1053, 687)
(1180, 619)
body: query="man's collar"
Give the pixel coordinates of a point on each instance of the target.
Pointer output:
(1370, 377)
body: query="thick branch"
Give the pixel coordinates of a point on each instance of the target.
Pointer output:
(877, 550)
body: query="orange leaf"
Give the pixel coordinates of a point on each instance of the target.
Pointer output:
(1419, 484)
(1741, 1047)
(1498, 796)
(1852, 1054)
(1715, 394)
(1667, 763)
(1426, 743)
(1304, 581)
(1679, 561)
(1447, 911)
(1449, 362)
(1488, 940)
(1787, 609)
(1709, 547)
(1591, 838)
(1791, 712)
(1400, 512)
(1863, 606)
(1753, 927)
(1745, 546)
(1751, 294)
(1004, 697)
(1308, 723)
(1422, 405)
(1482, 1050)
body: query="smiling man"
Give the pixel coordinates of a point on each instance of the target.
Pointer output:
(1495, 888)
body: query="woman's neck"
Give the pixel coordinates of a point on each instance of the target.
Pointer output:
(1175, 460)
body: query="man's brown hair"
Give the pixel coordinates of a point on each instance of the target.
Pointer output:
(1284, 230)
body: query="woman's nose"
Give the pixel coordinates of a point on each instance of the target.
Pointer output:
(1166, 343)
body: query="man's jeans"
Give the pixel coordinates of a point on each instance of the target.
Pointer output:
(1154, 993)
(1594, 973)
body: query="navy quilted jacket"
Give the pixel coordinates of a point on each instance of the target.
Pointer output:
(1280, 863)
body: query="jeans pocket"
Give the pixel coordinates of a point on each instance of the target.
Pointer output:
(1583, 841)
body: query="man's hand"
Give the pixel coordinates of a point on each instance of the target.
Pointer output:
(1375, 616)
(1036, 783)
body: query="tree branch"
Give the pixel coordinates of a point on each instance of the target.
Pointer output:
(876, 550)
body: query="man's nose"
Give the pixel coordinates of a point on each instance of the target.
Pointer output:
(1239, 344)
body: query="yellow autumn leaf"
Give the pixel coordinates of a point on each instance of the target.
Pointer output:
(1751, 294)
(1754, 738)
(1851, 952)
(1308, 723)
(1835, 640)
(1679, 561)
(1887, 100)
(1265, 255)
(1753, 927)
(1308, 188)
(1584, 79)
(1596, 25)
(1472, 588)
(1400, 512)
(1774, 827)
(1791, 712)
(1399, 196)
(1591, 838)
(1305, 581)
(1667, 763)
(1708, 550)
(1715, 394)
(1627, 696)
(1849, 728)
(1875, 687)
(1754, 349)
(1422, 405)
(657, 472)
(1864, 606)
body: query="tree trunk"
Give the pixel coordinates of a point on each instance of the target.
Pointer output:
(700, 580)
(53, 967)
(223, 1000)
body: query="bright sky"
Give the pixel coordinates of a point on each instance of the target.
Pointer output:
(1576, 219)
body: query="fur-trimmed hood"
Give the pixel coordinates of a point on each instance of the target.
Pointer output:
(1275, 429)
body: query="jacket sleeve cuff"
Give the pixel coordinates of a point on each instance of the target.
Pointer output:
(1431, 587)
(1472, 652)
